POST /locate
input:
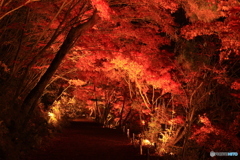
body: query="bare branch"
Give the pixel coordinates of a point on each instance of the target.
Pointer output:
(18, 7)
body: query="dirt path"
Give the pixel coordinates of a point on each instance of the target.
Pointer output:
(88, 141)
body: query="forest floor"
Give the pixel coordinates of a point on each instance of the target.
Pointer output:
(86, 140)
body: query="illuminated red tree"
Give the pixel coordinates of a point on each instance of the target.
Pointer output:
(173, 64)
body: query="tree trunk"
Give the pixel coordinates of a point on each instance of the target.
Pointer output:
(121, 114)
(32, 98)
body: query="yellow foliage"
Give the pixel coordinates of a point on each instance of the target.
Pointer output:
(132, 69)
(76, 82)
(146, 142)
(52, 118)
(72, 101)
(55, 115)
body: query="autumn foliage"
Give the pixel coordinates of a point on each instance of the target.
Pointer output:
(166, 69)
